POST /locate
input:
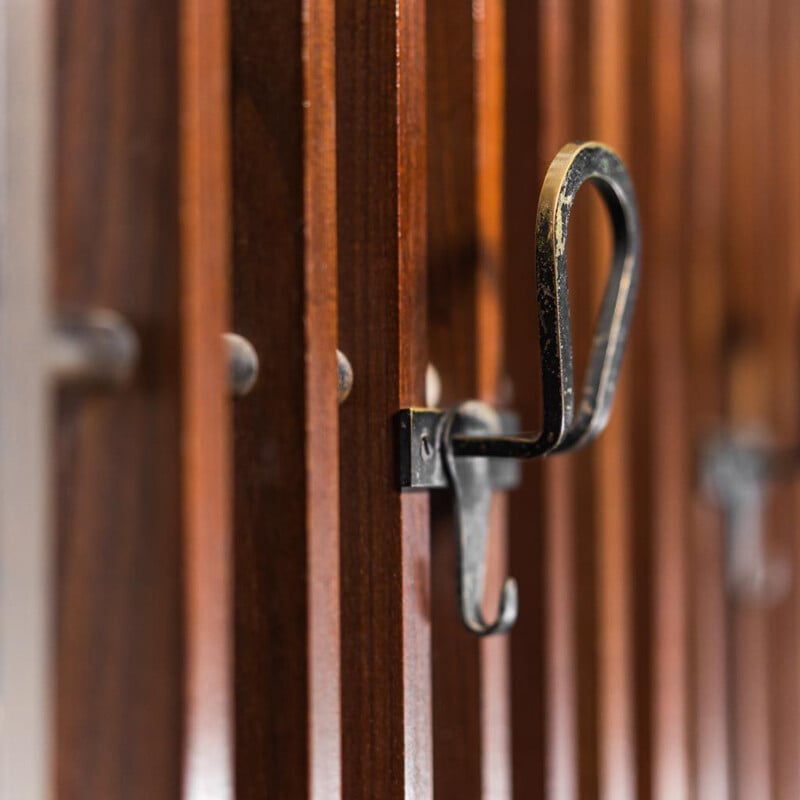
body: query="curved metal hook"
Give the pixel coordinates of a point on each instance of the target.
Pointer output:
(471, 488)
(575, 164)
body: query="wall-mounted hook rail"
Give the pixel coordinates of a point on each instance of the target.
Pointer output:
(461, 448)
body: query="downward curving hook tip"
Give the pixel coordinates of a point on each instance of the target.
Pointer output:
(506, 613)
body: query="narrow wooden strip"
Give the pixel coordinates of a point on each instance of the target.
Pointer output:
(526, 530)
(454, 343)
(286, 430)
(489, 29)
(784, 297)
(322, 422)
(748, 202)
(120, 652)
(207, 477)
(660, 466)
(609, 49)
(705, 282)
(26, 540)
(380, 82)
(543, 689)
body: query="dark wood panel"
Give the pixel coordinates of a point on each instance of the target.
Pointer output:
(540, 519)
(386, 693)
(453, 338)
(286, 430)
(120, 651)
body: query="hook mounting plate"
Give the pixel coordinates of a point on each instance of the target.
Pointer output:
(419, 436)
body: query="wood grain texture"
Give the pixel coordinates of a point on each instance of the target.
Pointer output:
(286, 430)
(489, 24)
(783, 339)
(543, 689)
(206, 458)
(747, 362)
(705, 280)
(660, 466)
(120, 646)
(610, 48)
(454, 344)
(465, 223)
(386, 693)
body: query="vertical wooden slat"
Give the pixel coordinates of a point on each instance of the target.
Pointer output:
(26, 542)
(206, 465)
(120, 522)
(609, 64)
(783, 341)
(386, 700)
(748, 204)
(453, 342)
(543, 697)
(492, 386)
(660, 467)
(286, 430)
(705, 281)
(465, 138)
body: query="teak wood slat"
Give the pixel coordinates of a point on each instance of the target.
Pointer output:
(286, 431)
(660, 468)
(705, 321)
(489, 24)
(386, 599)
(120, 652)
(543, 688)
(140, 205)
(206, 465)
(748, 367)
(454, 346)
(782, 341)
(465, 299)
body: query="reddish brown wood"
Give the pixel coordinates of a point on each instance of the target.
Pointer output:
(120, 521)
(490, 76)
(661, 458)
(747, 362)
(386, 696)
(206, 465)
(782, 341)
(542, 643)
(287, 532)
(465, 169)
(453, 338)
(705, 281)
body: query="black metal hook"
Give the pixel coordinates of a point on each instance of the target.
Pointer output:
(472, 496)
(471, 447)
(561, 431)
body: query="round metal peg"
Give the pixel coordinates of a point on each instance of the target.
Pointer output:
(243, 364)
(344, 372)
(96, 347)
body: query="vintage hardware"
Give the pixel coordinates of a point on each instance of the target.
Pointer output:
(467, 448)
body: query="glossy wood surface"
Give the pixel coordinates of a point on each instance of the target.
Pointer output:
(121, 650)
(386, 595)
(286, 430)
